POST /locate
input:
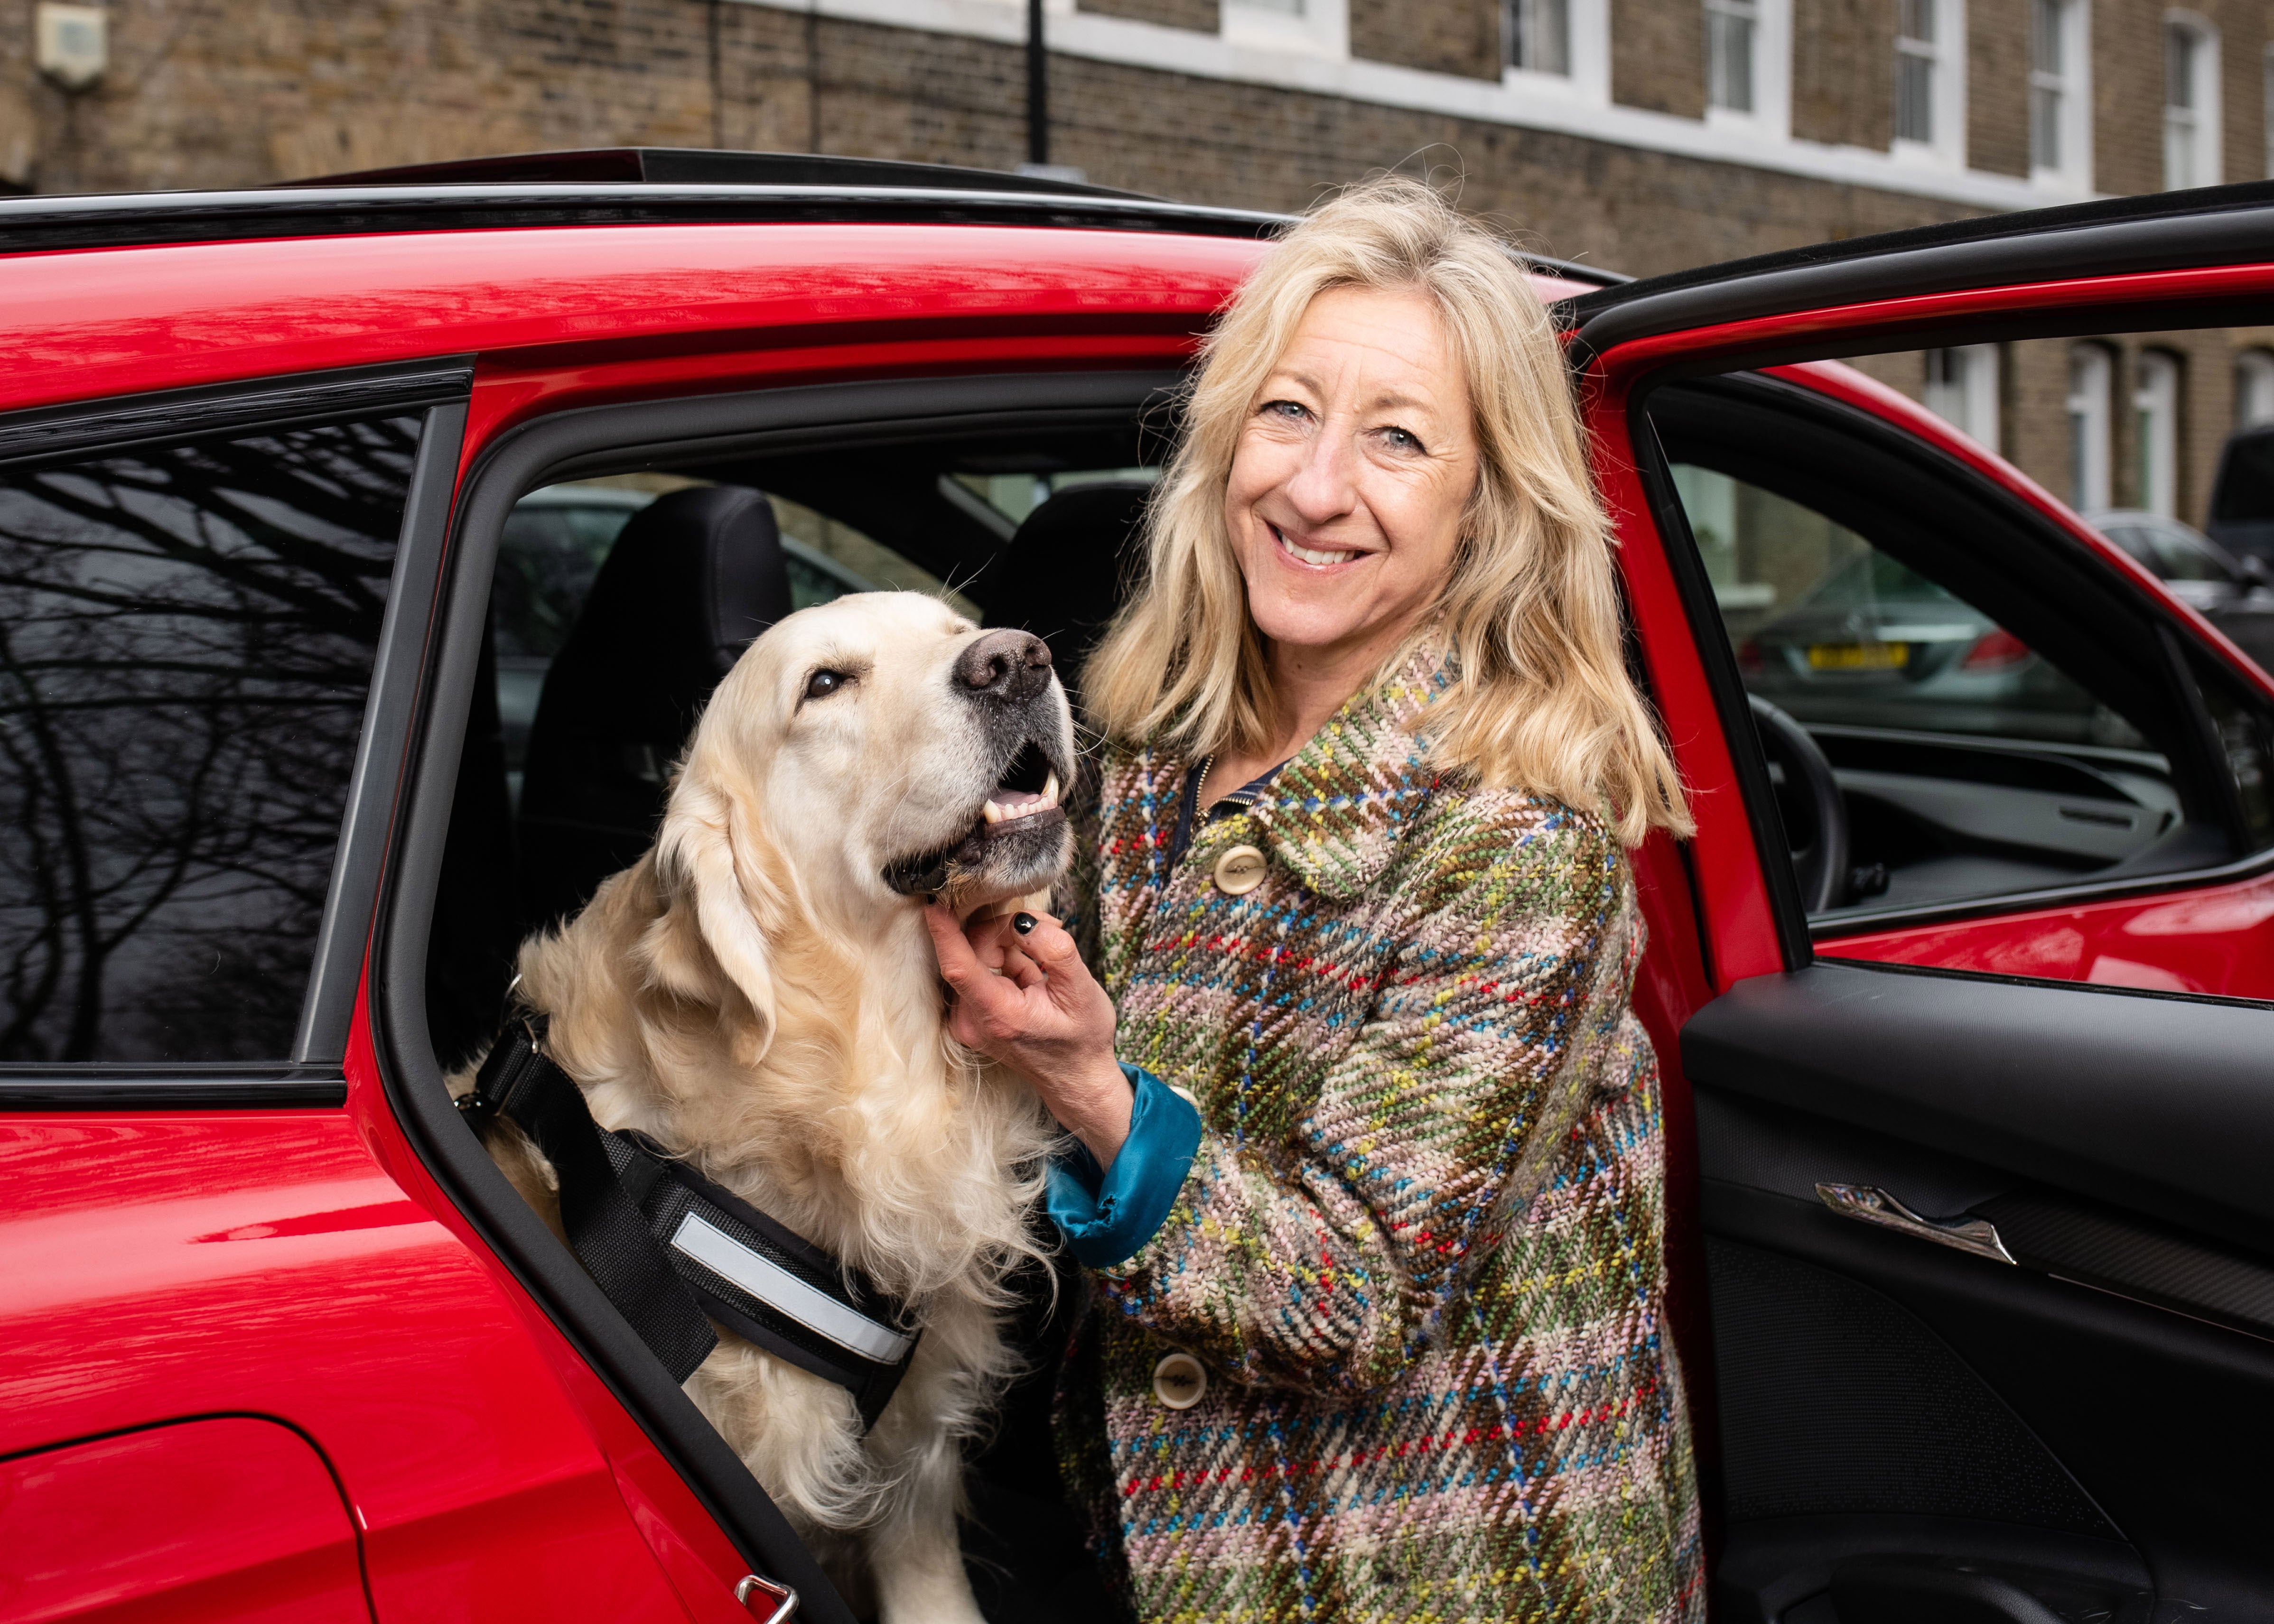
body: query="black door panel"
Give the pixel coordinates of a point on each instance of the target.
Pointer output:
(2084, 1425)
(2161, 1104)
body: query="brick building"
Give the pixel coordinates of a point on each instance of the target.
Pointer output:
(1641, 135)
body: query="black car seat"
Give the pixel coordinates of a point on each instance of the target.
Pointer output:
(693, 578)
(1061, 576)
(1063, 573)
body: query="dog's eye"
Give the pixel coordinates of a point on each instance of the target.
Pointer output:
(822, 684)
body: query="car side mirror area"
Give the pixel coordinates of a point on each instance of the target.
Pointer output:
(2254, 570)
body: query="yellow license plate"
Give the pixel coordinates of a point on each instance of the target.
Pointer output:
(1858, 655)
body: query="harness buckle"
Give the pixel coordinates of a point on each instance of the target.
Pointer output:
(782, 1599)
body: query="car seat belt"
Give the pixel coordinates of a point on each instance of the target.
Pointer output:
(668, 1247)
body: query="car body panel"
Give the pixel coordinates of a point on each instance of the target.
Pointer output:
(308, 1264)
(673, 305)
(236, 1518)
(174, 1265)
(2216, 939)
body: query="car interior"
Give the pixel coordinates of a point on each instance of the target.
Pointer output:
(619, 602)
(1994, 713)
(1957, 704)
(1962, 710)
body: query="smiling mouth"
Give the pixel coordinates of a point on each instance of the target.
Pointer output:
(1309, 555)
(1023, 804)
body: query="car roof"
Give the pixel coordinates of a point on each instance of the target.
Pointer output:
(2165, 231)
(643, 185)
(2194, 203)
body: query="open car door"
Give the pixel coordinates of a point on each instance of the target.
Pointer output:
(1975, 1037)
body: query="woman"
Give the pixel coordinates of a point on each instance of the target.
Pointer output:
(1370, 1176)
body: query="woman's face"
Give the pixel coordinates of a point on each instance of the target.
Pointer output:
(1353, 467)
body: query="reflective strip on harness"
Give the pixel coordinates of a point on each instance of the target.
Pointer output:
(786, 1294)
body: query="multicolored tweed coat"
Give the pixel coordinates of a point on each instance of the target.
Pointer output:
(1419, 1252)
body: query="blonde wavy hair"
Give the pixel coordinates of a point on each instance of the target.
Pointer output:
(1541, 699)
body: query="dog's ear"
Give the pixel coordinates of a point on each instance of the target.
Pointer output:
(719, 908)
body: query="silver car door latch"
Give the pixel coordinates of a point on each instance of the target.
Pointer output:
(1868, 1205)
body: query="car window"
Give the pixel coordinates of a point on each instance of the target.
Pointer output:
(558, 536)
(1992, 729)
(187, 636)
(2165, 546)
(1836, 631)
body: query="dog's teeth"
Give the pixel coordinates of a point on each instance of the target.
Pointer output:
(1051, 789)
(993, 813)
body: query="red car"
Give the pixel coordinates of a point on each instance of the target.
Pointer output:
(365, 548)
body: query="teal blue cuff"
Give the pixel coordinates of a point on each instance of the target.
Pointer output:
(1107, 1215)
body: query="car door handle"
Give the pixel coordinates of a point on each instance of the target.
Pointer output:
(1868, 1205)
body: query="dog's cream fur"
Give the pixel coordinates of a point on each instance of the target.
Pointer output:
(754, 996)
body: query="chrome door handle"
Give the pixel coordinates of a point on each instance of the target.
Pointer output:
(1867, 1205)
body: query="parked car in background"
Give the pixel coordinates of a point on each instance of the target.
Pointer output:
(2242, 494)
(2234, 591)
(366, 547)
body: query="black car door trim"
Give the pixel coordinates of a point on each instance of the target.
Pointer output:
(2159, 1105)
(1771, 845)
(174, 415)
(589, 440)
(345, 932)
(181, 1088)
(2220, 225)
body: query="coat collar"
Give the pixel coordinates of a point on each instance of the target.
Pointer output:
(1338, 812)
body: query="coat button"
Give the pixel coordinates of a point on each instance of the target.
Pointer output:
(1238, 871)
(1178, 1381)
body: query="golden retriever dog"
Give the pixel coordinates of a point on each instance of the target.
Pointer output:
(758, 995)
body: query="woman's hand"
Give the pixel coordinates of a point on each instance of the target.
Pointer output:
(1029, 1001)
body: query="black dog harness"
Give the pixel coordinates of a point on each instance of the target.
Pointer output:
(669, 1247)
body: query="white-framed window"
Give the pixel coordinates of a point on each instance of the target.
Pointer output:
(1931, 78)
(1558, 48)
(2191, 125)
(1961, 390)
(2155, 433)
(1313, 28)
(1733, 30)
(1539, 34)
(1749, 63)
(2266, 96)
(1914, 64)
(2060, 97)
(2254, 388)
(2091, 455)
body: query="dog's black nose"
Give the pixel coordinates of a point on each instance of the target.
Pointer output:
(1005, 664)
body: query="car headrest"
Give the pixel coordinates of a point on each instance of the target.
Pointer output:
(1064, 571)
(694, 577)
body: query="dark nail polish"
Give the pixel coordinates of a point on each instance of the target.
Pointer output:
(1022, 923)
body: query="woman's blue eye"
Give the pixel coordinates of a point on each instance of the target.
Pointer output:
(1402, 438)
(1286, 408)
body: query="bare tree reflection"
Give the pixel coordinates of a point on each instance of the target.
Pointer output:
(185, 640)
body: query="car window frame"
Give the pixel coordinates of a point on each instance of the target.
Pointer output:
(435, 390)
(2175, 635)
(678, 431)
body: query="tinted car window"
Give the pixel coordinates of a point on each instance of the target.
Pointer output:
(187, 636)
(1835, 630)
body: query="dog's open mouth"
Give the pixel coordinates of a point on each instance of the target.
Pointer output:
(1029, 786)
(1017, 826)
